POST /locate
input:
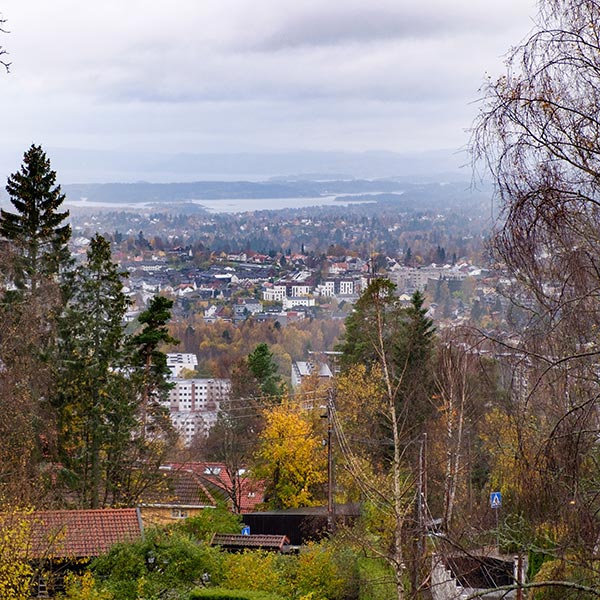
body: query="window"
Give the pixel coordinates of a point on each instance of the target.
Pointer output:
(212, 470)
(179, 513)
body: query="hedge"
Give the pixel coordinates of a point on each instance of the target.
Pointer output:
(223, 594)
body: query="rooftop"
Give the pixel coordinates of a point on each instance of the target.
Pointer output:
(81, 533)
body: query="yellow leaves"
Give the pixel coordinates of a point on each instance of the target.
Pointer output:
(361, 403)
(510, 444)
(290, 456)
(360, 392)
(84, 588)
(252, 570)
(16, 572)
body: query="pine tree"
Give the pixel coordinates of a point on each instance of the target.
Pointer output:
(264, 369)
(34, 251)
(37, 231)
(149, 362)
(359, 343)
(382, 331)
(90, 371)
(413, 349)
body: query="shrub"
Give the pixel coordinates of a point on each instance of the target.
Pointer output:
(564, 571)
(164, 561)
(209, 521)
(83, 587)
(257, 570)
(225, 594)
(326, 571)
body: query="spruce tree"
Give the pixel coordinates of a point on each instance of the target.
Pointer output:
(91, 374)
(37, 231)
(264, 368)
(34, 251)
(150, 373)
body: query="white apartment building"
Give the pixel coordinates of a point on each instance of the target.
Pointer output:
(301, 290)
(303, 369)
(194, 405)
(346, 288)
(326, 288)
(293, 301)
(275, 294)
(417, 278)
(177, 361)
(338, 287)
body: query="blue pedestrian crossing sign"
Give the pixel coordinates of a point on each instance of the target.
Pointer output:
(495, 499)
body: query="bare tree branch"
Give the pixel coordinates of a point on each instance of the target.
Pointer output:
(3, 52)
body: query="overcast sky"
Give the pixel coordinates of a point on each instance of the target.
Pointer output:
(250, 76)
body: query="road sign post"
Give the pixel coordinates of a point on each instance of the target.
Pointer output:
(496, 504)
(496, 499)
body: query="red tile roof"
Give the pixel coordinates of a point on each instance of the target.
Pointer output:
(216, 474)
(81, 533)
(179, 487)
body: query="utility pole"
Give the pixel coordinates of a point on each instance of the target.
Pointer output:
(330, 506)
(420, 491)
(421, 494)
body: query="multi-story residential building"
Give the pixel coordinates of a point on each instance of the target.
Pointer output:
(277, 293)
(194, 405)
(327, 288)
(300, 290)
(346, 286)
(294, 301)
(410, 279)
(303, 369)
(177, 361)
(323, 364)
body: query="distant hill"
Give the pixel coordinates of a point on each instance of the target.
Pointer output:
(85, 166)
(382, 193)
(346, 190)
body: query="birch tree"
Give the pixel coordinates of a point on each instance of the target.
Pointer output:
(537, 134)
(374, 337)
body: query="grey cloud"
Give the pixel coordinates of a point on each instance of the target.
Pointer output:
(361, 24)
(332, 28)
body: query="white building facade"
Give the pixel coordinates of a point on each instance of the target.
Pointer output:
(194, 405)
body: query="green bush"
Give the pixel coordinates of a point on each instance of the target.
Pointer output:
(321, 571)
(325, 571)
(257, 570)
(209, 521)
(224, 594)
(164, 561)
(376, 580)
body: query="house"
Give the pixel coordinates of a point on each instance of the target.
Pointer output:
(81, 534)
(299, 525)
(242, 493)
(64, 541)
(245, 307)
(180, 494)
